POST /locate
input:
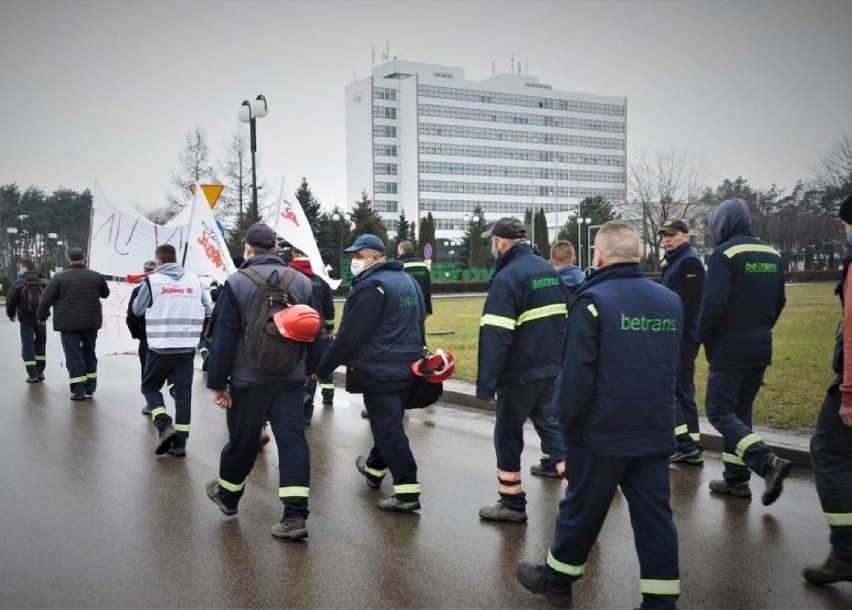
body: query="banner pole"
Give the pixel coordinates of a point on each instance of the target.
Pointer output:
(189, 227)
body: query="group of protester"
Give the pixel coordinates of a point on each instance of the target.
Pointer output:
(603, 366)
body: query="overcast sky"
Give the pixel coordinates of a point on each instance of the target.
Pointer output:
(108, 90)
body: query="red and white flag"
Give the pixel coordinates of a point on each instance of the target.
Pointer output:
(291, 224)
(207, 253)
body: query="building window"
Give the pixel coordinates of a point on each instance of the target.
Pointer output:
(387, 169)
(384, 112)
(384, 131)
(386, 187)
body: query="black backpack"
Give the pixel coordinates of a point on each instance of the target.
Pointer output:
(266, 350)
(30, 295)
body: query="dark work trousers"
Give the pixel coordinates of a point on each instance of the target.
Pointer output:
(327, 383)
(143, 355)
(729, 400)
(515, 404)
(687, 411)
(33, 343)
(326, 386)
(282, 404)
(391, 449)
(645, 485)
(179, 368)
(81, 360)
(831, 453)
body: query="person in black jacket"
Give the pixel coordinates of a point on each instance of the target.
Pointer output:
(616, 410)
(743, 298)
(75, 295)
(683, 272)
(136, 326)
(417, 269)
(520, 346)
(324, 300)
(22, 304)
(381, 334)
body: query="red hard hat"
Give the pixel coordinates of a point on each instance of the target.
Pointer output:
(297, 322)
(435, 368)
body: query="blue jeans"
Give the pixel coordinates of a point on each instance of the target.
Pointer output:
(81, 360)
(33, 342)
(282, 404)
(514, 405)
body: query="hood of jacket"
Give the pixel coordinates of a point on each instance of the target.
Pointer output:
(571, 275)
(172, 270)
(731, 218)
(303, 265)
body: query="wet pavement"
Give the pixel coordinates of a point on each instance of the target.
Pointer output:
(89, 517)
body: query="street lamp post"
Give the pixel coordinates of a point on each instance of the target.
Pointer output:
(580, 222)
(249, 111)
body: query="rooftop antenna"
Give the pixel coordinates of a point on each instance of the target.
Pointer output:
(513, 62)
(373, 55)
(387, 50)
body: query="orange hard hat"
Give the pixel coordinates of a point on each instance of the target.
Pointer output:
(298, 322)
(435, 368)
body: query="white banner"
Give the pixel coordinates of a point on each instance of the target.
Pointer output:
(122, 239)
(291, 224)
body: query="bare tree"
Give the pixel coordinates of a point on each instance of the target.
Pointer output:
(668, 184)
(834, 169)
(234, 171)
(194, 168)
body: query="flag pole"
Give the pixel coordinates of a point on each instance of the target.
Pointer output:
(189, 227)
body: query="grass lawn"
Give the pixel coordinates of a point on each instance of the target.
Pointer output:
(794, 384)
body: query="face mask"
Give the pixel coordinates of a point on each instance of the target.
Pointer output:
(356, 266)
(21, 271)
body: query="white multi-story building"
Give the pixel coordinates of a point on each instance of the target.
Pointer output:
(421, 138)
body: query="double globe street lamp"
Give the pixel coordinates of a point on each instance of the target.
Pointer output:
(249, 111)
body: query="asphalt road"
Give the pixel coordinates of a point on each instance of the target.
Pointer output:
(89, 517)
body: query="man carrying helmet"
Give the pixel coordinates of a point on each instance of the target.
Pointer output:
(252, 396)
(381, 334)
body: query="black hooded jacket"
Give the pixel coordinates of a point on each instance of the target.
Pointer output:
(743, 293)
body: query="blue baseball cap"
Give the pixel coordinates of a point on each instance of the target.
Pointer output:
(367, 240)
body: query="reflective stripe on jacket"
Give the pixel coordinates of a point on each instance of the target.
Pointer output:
(176, 315)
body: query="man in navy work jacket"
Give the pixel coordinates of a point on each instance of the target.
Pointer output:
(252, 396)
(418, 269)
(743, 298)
(381, 334)
(616, 407)
(683, 272)
(520, 346)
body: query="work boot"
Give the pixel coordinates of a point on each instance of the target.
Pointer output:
(739, 490)
(293, 528)
(394, 504)
(778, 470)
(687, 457)
(540, 470)
(327, 400)
(501, 512)
(166, 439)
(213, 492)
(41, 376)
(833, 570)
(32, 379)
(178, 448)
(373, 482)
(76, 396)
(531, 576)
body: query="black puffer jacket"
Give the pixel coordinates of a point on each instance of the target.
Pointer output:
(75, 297)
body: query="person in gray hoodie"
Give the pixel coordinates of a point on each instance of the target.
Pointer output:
(743, 298)
(175, 306)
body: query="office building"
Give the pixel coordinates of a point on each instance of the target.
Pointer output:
(421, 138)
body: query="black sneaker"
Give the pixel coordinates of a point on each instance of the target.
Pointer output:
(167, 439)
(394, 504)
(778, 470)
(687, 457)
(739, 490)
(32, 379)
(178, 449)
(531, 576)
(832, 570)
(500, 512)
(293, 528)
(41, 376)
(213, 490)
(373, 482)
(76, 396)
(543, 471)
(327, 401)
